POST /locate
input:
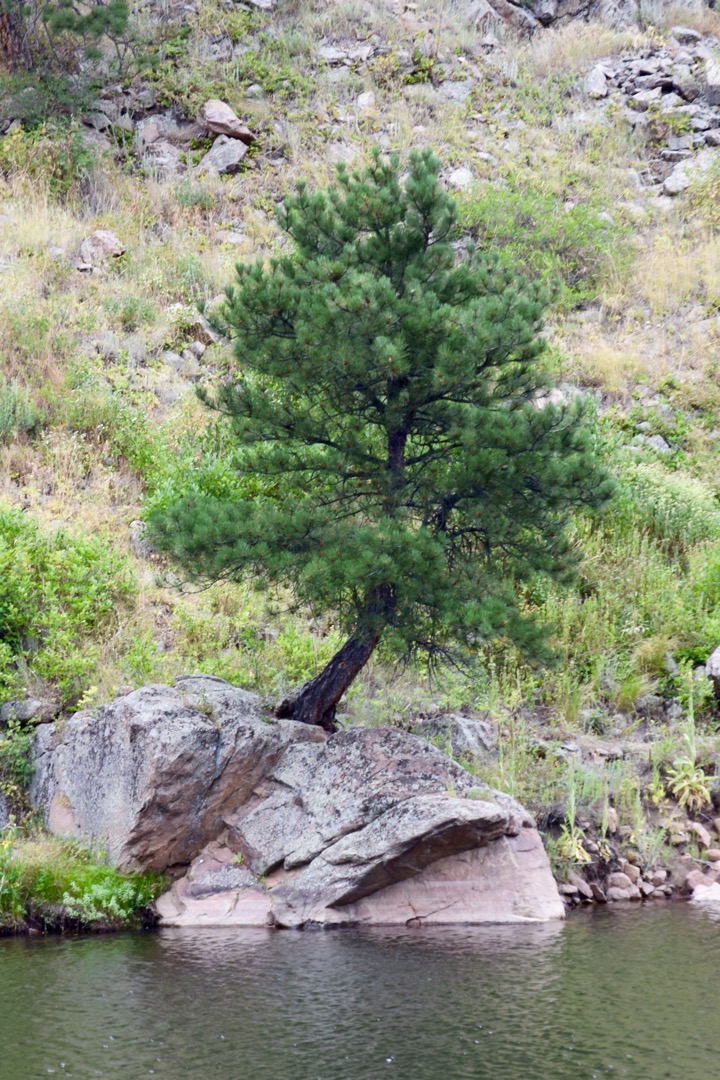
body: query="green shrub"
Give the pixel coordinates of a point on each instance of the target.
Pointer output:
(58, 595)
(18, 413)
(50, 881)
(53, 156)
(57, 52)
(534, 231)
(675, 509)
(15, 766)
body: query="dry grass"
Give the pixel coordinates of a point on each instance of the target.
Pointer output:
(692, 13)
(573, 47)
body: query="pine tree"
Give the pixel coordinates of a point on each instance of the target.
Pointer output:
(388, 391)
(59, 48)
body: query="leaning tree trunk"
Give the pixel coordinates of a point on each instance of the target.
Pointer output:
(315, 702)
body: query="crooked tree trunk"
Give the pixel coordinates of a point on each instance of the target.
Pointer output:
(315, 702)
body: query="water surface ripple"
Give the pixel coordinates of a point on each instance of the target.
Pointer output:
(610, 993)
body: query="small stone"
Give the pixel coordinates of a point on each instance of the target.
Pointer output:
(619, 880)
(712, 670)
(581, 886)
(98, 120)
(646, 888)
(711, 82)
(148, 132)
(366, 101)
(641, 102)
(100, 246)
(332, 55)
(596, 83)
(632, 872)
(680, 142)
(707, 894)
(657, 443)
(658, 877)
(684, 35)
(220, 118)
(614, 894)
(700, 832)
(612, 820)
(25, 709)
(567, 889)
(458, 91)
(670, 102)
(340, 153)
(161, 159)
(460, 178)
(693, 879)
(141, 547)
(713, 855)
(224, 157)
(598, 893)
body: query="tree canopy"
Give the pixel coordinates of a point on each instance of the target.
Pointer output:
(390, 391)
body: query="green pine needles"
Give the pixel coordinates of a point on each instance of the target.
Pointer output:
(388, 394)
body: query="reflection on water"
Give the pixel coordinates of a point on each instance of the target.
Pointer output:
(628, 994)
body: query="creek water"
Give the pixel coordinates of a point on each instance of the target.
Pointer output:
(611, 993)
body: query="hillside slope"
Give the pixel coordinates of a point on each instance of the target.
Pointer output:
(586, 153)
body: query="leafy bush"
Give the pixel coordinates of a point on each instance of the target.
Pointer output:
(50, 881)
(55, 53)
(53, 156)
(15, 766)
(57, 596)
(675, 509)
(18, 413)
(535, 232)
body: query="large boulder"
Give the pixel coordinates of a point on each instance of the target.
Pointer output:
(151, 776)
(284, 825)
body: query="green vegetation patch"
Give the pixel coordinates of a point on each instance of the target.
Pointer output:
(58, 596)
(50, 883)
(542, 235)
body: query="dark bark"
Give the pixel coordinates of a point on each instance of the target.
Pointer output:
(315, 702)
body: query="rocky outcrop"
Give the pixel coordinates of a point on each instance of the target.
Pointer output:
(151, 776)
(531, 15)
(283, 825)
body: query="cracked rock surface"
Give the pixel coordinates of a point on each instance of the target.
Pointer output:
(280, 824)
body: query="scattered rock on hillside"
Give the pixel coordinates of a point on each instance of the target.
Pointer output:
(224, 157)
(460, 178)
(699, 831)
(98, 248)
(284, 824)
(685, 172)
(220, 118)
(711, 81)
(162, 159)
(23, 710)
(712, 670)
(461, 735)
(596, 83)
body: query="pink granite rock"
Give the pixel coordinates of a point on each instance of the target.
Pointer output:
(284, 825)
